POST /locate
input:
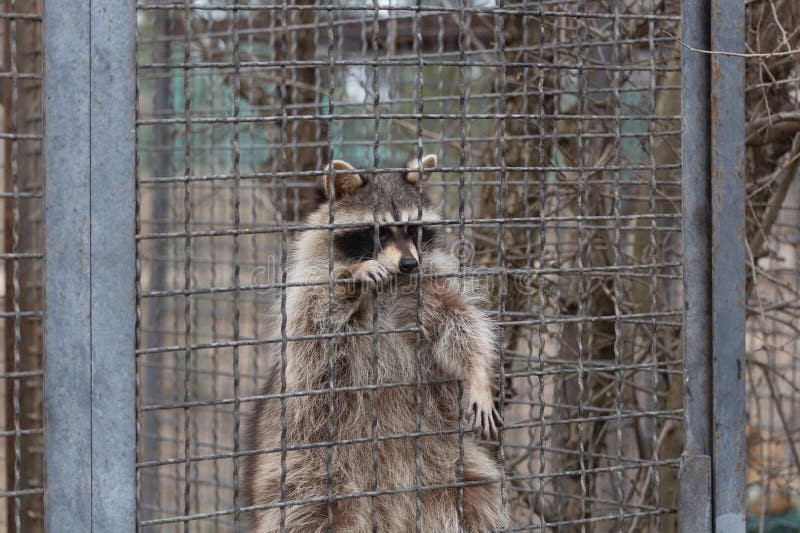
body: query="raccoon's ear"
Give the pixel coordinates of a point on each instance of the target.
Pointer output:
(343, 184)
(412, 176)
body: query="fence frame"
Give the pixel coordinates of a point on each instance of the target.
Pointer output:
(713, 143)
(728, 264)
(89, 327)
(694, 508)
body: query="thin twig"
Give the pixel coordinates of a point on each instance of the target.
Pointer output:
(733, 54)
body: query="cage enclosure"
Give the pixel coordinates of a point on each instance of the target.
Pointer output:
(558, 138)
(616, 177)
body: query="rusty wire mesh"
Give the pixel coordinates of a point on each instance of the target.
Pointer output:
(21, 273)
(557, 124)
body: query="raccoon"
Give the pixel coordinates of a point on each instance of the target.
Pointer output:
(373, 359)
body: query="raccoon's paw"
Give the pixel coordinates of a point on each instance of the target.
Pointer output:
(486, 421)
(371, 273)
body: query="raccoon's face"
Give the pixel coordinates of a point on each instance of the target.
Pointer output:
(384, 211)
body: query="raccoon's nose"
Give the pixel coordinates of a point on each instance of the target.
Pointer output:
(408, 265)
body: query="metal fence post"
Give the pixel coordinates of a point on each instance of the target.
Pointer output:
(713, 470)
(695, 474)
(728, 262)
(89, 94)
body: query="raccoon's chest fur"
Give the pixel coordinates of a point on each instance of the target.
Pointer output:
(387, 357)
(390, 377)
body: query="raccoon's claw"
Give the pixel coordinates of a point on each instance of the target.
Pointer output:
(486, 421)
(371, 273)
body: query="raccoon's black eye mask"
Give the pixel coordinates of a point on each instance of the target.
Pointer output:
(356, 244)
(427, 236)
(359, 244)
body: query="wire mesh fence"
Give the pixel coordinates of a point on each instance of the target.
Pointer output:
(561, 196)
(21, 399)
(557, 130)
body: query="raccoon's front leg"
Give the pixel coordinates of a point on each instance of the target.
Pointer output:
(479, 348)
(486, 421)
(464, 344)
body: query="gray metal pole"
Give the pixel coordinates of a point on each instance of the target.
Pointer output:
(695, 476)
(696, 175)
(728, 263)
(89, 93)
(67, 283)
(113, 266)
